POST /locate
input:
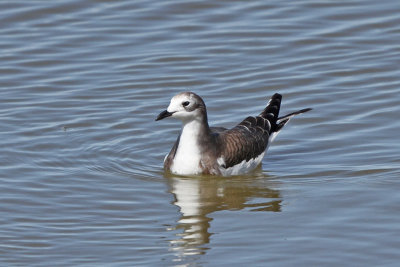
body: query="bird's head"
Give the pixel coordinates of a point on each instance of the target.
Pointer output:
(186, 106)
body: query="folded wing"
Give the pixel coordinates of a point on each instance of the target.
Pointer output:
(250, 138)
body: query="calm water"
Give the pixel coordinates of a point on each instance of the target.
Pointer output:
(81, 179)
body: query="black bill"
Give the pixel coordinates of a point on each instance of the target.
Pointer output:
(163, 115)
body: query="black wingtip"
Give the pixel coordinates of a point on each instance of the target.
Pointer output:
(304, 110)
(277, 95)
(273, 108)
(294, 113)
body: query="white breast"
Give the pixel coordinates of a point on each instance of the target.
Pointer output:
(187, 157)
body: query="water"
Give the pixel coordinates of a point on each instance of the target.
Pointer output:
(81, 179)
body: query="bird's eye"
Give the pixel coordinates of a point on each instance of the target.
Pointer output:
(186, 103)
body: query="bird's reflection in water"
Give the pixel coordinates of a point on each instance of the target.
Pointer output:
(198, 197)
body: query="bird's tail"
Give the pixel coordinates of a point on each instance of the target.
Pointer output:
(271, 113)
(285, 119)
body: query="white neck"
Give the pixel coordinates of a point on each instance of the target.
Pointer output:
(187, 157)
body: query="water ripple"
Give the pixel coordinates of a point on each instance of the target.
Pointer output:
(81, 156)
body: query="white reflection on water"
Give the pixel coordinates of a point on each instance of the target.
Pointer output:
(198, 197)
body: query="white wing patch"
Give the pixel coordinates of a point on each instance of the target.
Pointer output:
(221, 161)
(242, 167)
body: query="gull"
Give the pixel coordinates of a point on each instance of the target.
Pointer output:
(201, 149)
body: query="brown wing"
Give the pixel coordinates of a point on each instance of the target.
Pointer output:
(249, 138)
(243, 142)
